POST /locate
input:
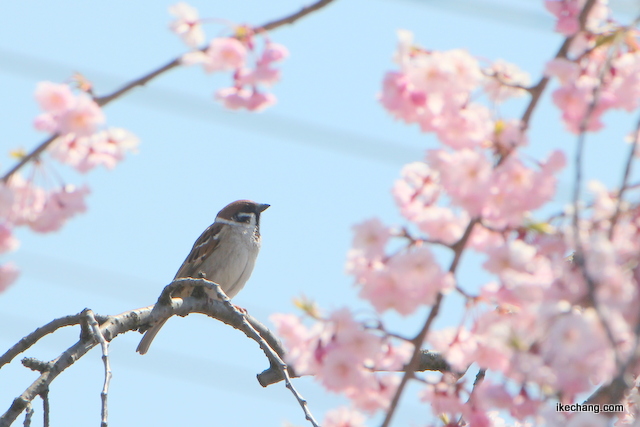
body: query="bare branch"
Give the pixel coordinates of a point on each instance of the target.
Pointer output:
(412, 366)
(28, 416)
(45, 407)
(26, 342)
(97, 335)
(292, 18)
(625, 179)
(428, 361)
(273, 356)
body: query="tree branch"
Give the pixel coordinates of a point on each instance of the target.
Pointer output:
(411, 367)
(141, 81)
(537, 90)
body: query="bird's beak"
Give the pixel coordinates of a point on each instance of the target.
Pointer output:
(263, 207)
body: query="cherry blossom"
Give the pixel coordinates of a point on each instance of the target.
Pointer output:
(60, 205)
(8, 274)
(344, 417)
(505, 80)
(224, 54)
(65, 112)
(106, 148)
(568, 11)
(7, 241)
(417, 189)
(371, 237)
(54, 98)
(187, 24)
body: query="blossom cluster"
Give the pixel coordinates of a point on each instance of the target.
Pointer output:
(76, 122)
(76, 119)
(251, 67)
(601, 71)
(549, 326)
(343, 355)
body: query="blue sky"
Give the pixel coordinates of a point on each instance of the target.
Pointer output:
(325, 158)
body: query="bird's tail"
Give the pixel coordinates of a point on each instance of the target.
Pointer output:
(148, 337)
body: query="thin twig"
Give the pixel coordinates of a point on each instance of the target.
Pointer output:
(267, 349)
(419, 339)
(28, 416)
(45, 406)
(26, 342)
(141, 81)
(537, 90)
(579, 256)
(97, 335)
(625, 179)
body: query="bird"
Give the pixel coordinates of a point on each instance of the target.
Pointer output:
(225, 253)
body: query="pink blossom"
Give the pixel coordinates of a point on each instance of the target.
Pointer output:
(505, 80)
(371, 237)
(235, 99)
(562, 68)
(262, 74)
(466, 127)
(28, 201)
(454, 72)
(344, 417)
(7, 240)
(69, 149)
(442, 224)
(384, 292)
(83, 118)
(258, 101)
(494, 333)
(515, 255)
(8, 274)
(577, 349)
(604, 206)
(517, 189)
(54, 98)
(60, 205)
(489, 395)
(341, 370)
(375, 393)
(465, 175)
(568, 11)
(352, 337)
(187, 24)
(46, 122)
(273, 52)
(105, 148)
(400, 98)
(510, 135)
(6, 198)
(417, 189)
(393, 357)
(574, 100)
(420, 276)
(625, 80)
(458, 346)
(443, 398)
(225, 53)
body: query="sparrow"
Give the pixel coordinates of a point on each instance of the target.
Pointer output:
(225, 252)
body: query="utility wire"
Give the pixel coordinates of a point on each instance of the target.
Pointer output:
(278, 126)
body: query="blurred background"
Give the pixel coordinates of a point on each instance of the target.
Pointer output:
(325, 157)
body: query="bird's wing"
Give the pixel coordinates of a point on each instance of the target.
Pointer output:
(202, 248)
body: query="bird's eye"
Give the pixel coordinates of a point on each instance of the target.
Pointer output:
(242, 217)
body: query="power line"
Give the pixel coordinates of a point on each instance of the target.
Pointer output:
(278, 126)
